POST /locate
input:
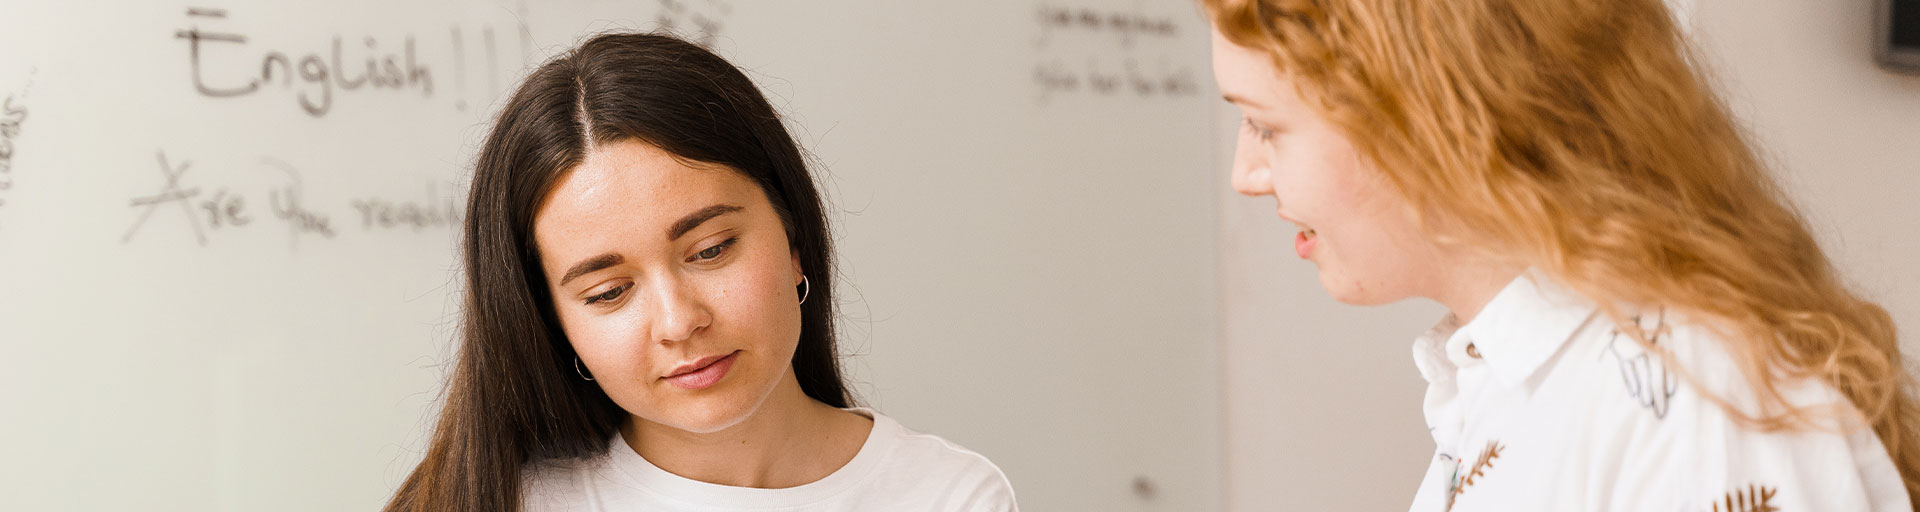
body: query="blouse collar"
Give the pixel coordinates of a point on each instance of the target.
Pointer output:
(1522, 327)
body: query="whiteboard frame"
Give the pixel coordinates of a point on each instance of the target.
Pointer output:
(1896, 59)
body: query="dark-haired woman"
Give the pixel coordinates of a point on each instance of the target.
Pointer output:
(649, 320)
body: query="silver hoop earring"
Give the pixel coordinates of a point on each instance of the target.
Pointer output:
(576, 369)
(806, 288)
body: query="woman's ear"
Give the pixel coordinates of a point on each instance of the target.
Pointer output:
(799, 274)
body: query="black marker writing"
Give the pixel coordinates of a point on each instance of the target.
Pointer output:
(286, 206)
(170, 192)
(459, 70)
(378, 213)
(1126, 26)
(1076, 55)
(11, 116)
(321, 75)
(209, 211)
(526, 34)
(1056, 77)
(13, 113)
(194, 37)
(226, 209)
(706, 24)
(493, 59)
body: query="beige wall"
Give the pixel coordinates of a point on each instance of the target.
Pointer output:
(1322, 400)
(1844, 133)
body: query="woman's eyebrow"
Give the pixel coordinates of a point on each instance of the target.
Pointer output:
(679, 229)
(693, 220)
(591, 265)
(1240, 101)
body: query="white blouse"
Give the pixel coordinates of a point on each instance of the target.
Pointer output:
(1539, 404)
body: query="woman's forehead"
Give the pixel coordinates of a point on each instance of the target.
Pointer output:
(642, 179)
(636, 187)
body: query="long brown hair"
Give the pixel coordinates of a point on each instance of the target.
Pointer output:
(513, 397)
(1578, 137)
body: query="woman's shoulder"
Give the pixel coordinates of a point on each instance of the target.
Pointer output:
(926, 450)
(1691, 362)
(918, 459)
(557, 485)
(1663, 424)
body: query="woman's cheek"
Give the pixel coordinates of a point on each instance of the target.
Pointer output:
(616, 342)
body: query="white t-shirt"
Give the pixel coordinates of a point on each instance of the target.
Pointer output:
(896, 470)
(1540, 403)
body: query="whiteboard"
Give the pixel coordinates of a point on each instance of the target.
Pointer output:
(229, 278)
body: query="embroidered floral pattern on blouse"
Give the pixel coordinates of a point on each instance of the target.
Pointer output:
(1755, 498)
(1462, 482)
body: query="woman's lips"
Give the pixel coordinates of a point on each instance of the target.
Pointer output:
(703, 373)
(1304, 241)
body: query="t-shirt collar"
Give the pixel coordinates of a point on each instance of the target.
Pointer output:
(873, 455)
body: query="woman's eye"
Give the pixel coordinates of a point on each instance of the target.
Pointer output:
(1258, 131)
(608, 295)
(716, 250)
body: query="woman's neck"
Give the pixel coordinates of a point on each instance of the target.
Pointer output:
(1469, 287)
(791, 440)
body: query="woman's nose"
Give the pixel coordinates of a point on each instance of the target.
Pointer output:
(678, 312)
(1251, 174)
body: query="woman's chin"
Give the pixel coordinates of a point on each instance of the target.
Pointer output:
(1351, 291)
(704, 415)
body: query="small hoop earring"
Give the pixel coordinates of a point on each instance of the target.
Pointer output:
(576, 369)
(806, 288)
